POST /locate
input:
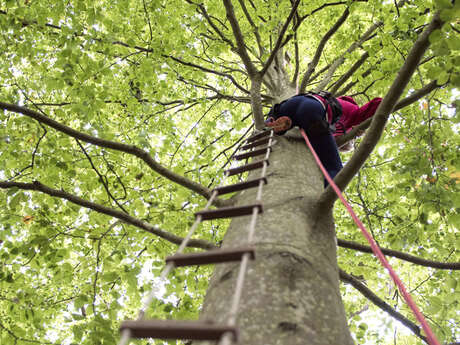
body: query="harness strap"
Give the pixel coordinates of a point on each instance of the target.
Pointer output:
(331, 126)
(319, 100)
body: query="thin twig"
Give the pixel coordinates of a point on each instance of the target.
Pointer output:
(366, 292)
(101, 178)
(208, 70)
(191, 130)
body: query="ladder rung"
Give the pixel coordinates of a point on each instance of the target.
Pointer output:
(228, 212)
(255, 144)
(247, 167)
(211, 256)
(240, 186)
(258, 136)
(171, 329)
(252, 153)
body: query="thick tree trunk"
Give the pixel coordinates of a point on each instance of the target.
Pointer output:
(291, 292)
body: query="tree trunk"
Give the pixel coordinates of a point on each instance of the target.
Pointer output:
(291, 292)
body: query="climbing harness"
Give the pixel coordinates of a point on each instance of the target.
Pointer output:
(198, 330)
(325, 98)
(376, 249)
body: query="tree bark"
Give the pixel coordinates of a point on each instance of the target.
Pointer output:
(291, 291)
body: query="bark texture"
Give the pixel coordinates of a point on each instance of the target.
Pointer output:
(291, 292)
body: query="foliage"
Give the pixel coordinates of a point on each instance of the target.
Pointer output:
(155, 74)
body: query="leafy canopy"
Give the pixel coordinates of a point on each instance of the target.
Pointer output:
(165, 77)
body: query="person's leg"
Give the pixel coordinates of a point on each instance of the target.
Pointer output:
(327, 151)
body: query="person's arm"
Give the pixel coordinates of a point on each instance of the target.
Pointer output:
(353, 116)
(362, 113)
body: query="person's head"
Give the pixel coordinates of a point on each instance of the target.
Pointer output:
(280, 125)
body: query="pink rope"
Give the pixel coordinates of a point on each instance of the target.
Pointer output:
(378, 253)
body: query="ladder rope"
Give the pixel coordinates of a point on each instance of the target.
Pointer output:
(432, 340)
(226, 338)
(126, 333)
(232, 315)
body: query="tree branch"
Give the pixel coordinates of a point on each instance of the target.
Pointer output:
(130, 149)
(208, 70)
(37, 186)
(101, 178)
(400, 255)
(295, 77)
(279, 39)
(241, 47)
(341, 59)
(415, 96)
(301, 19)
(347, 87)
(383, 112)
(349, 73)
(366, 292)
(319, 50)
(210, 22)
(254, 27)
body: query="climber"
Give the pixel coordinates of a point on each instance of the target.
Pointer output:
(323, 119)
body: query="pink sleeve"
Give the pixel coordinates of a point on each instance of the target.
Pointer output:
(347, 99)
(363, 113)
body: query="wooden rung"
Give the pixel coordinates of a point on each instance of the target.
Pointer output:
(240, 186)
(228, 212)
(211, 256)
(172, 329)
(247, 167)
(252, 153)
(258, 136)
(255, 144)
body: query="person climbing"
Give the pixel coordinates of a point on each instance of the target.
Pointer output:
(323, 118)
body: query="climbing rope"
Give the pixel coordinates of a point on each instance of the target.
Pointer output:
(376, 249)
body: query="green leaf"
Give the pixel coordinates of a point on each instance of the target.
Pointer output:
(110, 276)
(80, 301)
(451, 282)
(11, 191)
(443, 4)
